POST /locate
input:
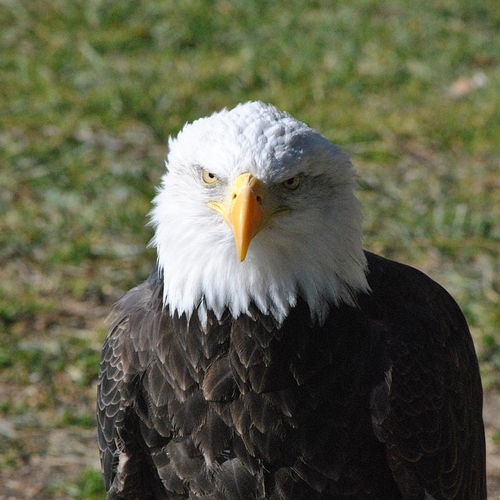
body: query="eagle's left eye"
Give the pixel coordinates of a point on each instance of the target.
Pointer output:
(208, 178)
(292, 183)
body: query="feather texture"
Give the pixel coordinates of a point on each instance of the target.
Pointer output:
(381, 401)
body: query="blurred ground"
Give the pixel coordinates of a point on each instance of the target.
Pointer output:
(492, 423)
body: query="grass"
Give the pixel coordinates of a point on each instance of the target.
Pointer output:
(90, 91)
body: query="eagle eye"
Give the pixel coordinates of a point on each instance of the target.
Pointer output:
(292, 183)
(208, 178)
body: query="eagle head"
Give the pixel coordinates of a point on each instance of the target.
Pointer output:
(257, 209)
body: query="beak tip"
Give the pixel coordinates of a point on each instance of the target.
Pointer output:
(241, 255)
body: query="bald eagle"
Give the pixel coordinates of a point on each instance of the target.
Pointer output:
(268, 356)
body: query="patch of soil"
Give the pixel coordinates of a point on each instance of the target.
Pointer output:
(491, 415)
(46, 461)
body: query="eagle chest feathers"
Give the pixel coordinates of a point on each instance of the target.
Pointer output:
(248, 407)
(268, 357)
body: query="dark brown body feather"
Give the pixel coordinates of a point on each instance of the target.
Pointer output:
(383, 401)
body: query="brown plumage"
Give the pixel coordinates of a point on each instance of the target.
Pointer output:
(380, 399)
(381, 402)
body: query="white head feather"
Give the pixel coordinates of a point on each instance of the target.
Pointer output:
(313, 251)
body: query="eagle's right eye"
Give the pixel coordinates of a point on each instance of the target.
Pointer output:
(208, 178)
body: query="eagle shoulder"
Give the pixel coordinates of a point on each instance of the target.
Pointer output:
(428, 409)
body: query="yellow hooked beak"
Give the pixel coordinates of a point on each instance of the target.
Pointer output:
(243, 211)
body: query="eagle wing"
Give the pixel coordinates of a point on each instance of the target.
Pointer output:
(127, 445)
(428, 410)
